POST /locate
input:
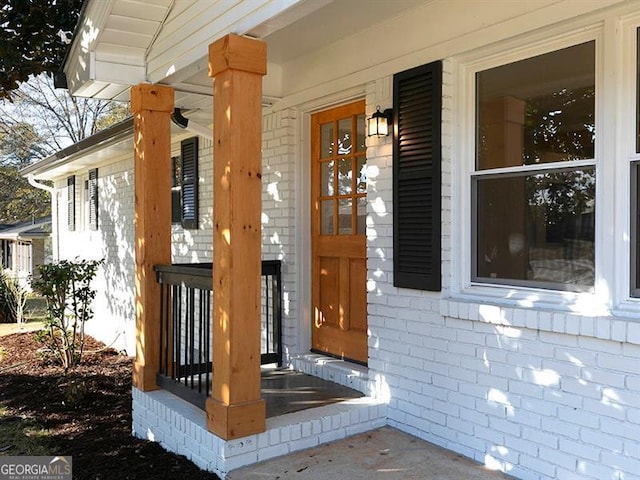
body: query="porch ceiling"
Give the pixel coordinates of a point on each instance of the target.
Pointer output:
(121, 43)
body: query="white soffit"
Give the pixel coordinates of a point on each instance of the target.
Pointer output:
(301, 29)
(121, 43)
(109, 49)
(181, 49)
(334, 21)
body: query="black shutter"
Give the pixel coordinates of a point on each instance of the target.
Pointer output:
(71, 202)
(93, 199)
(417, 177)
(189, 150)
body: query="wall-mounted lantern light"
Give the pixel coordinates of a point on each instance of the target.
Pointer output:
(379, 124)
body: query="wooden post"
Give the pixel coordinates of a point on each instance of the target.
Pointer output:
(151, 106)
(235, 408)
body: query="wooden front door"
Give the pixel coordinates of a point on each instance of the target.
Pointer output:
(338, 203)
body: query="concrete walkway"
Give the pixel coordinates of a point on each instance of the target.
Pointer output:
(385, 453)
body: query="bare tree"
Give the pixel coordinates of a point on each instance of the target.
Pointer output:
(37, 123)
(42, 120)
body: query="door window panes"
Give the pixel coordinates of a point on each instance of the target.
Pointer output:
(344, 136)
(362, 216)
(360, 136)
(326, 178)
(326, 140)
(345, 177)
(326, 217)
(345, 215)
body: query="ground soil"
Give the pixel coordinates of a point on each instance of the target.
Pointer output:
(85, 414)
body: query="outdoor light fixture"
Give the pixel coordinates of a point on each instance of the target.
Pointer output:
(379, 123)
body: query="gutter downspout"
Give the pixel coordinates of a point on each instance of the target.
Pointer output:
(187, 124)
(54, 210)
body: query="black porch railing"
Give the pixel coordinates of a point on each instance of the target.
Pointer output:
(186, 352)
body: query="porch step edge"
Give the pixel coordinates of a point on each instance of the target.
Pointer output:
(180, 427)
(342, 372)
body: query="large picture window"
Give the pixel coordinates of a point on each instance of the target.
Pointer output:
(533, 187)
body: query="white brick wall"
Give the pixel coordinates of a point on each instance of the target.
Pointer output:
(278, 211)
(539, 394)
(114, 320)
(279, 205)
(191, 245)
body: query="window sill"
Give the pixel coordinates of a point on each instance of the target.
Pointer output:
(571, 314)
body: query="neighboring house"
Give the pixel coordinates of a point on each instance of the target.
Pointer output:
(24, 246)
(477, 270)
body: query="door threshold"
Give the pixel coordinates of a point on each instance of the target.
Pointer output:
(338, 357)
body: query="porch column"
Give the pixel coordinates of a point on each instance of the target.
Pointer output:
(151, 106)
(237, 64)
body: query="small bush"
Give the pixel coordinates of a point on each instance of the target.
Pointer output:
(66, 286)
(12, 299)
(5, 312)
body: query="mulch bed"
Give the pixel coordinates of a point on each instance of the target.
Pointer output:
(85, 414)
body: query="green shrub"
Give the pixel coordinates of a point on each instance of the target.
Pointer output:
(66, 286)
(12, 299)
(5, 311)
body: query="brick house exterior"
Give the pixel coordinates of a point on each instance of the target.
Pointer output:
(531, 375)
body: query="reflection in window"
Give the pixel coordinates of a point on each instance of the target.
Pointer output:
(326, 140)
(343, 180)
(344, 136)
(535, 211)
(544, 233)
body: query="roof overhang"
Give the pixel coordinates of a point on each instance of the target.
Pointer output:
(106, 144)
(39, 228)
(121, 43)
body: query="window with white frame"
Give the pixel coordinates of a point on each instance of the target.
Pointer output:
(24, 257)
(534, 181)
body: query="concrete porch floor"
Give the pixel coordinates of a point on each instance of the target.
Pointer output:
(385, 453)
(287, 391)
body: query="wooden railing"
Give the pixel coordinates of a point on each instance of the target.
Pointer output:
(186, 355)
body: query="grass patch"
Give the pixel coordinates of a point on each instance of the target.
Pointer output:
(28, 326)
(22, 436)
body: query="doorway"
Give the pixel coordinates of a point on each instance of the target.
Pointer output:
(338, 232)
